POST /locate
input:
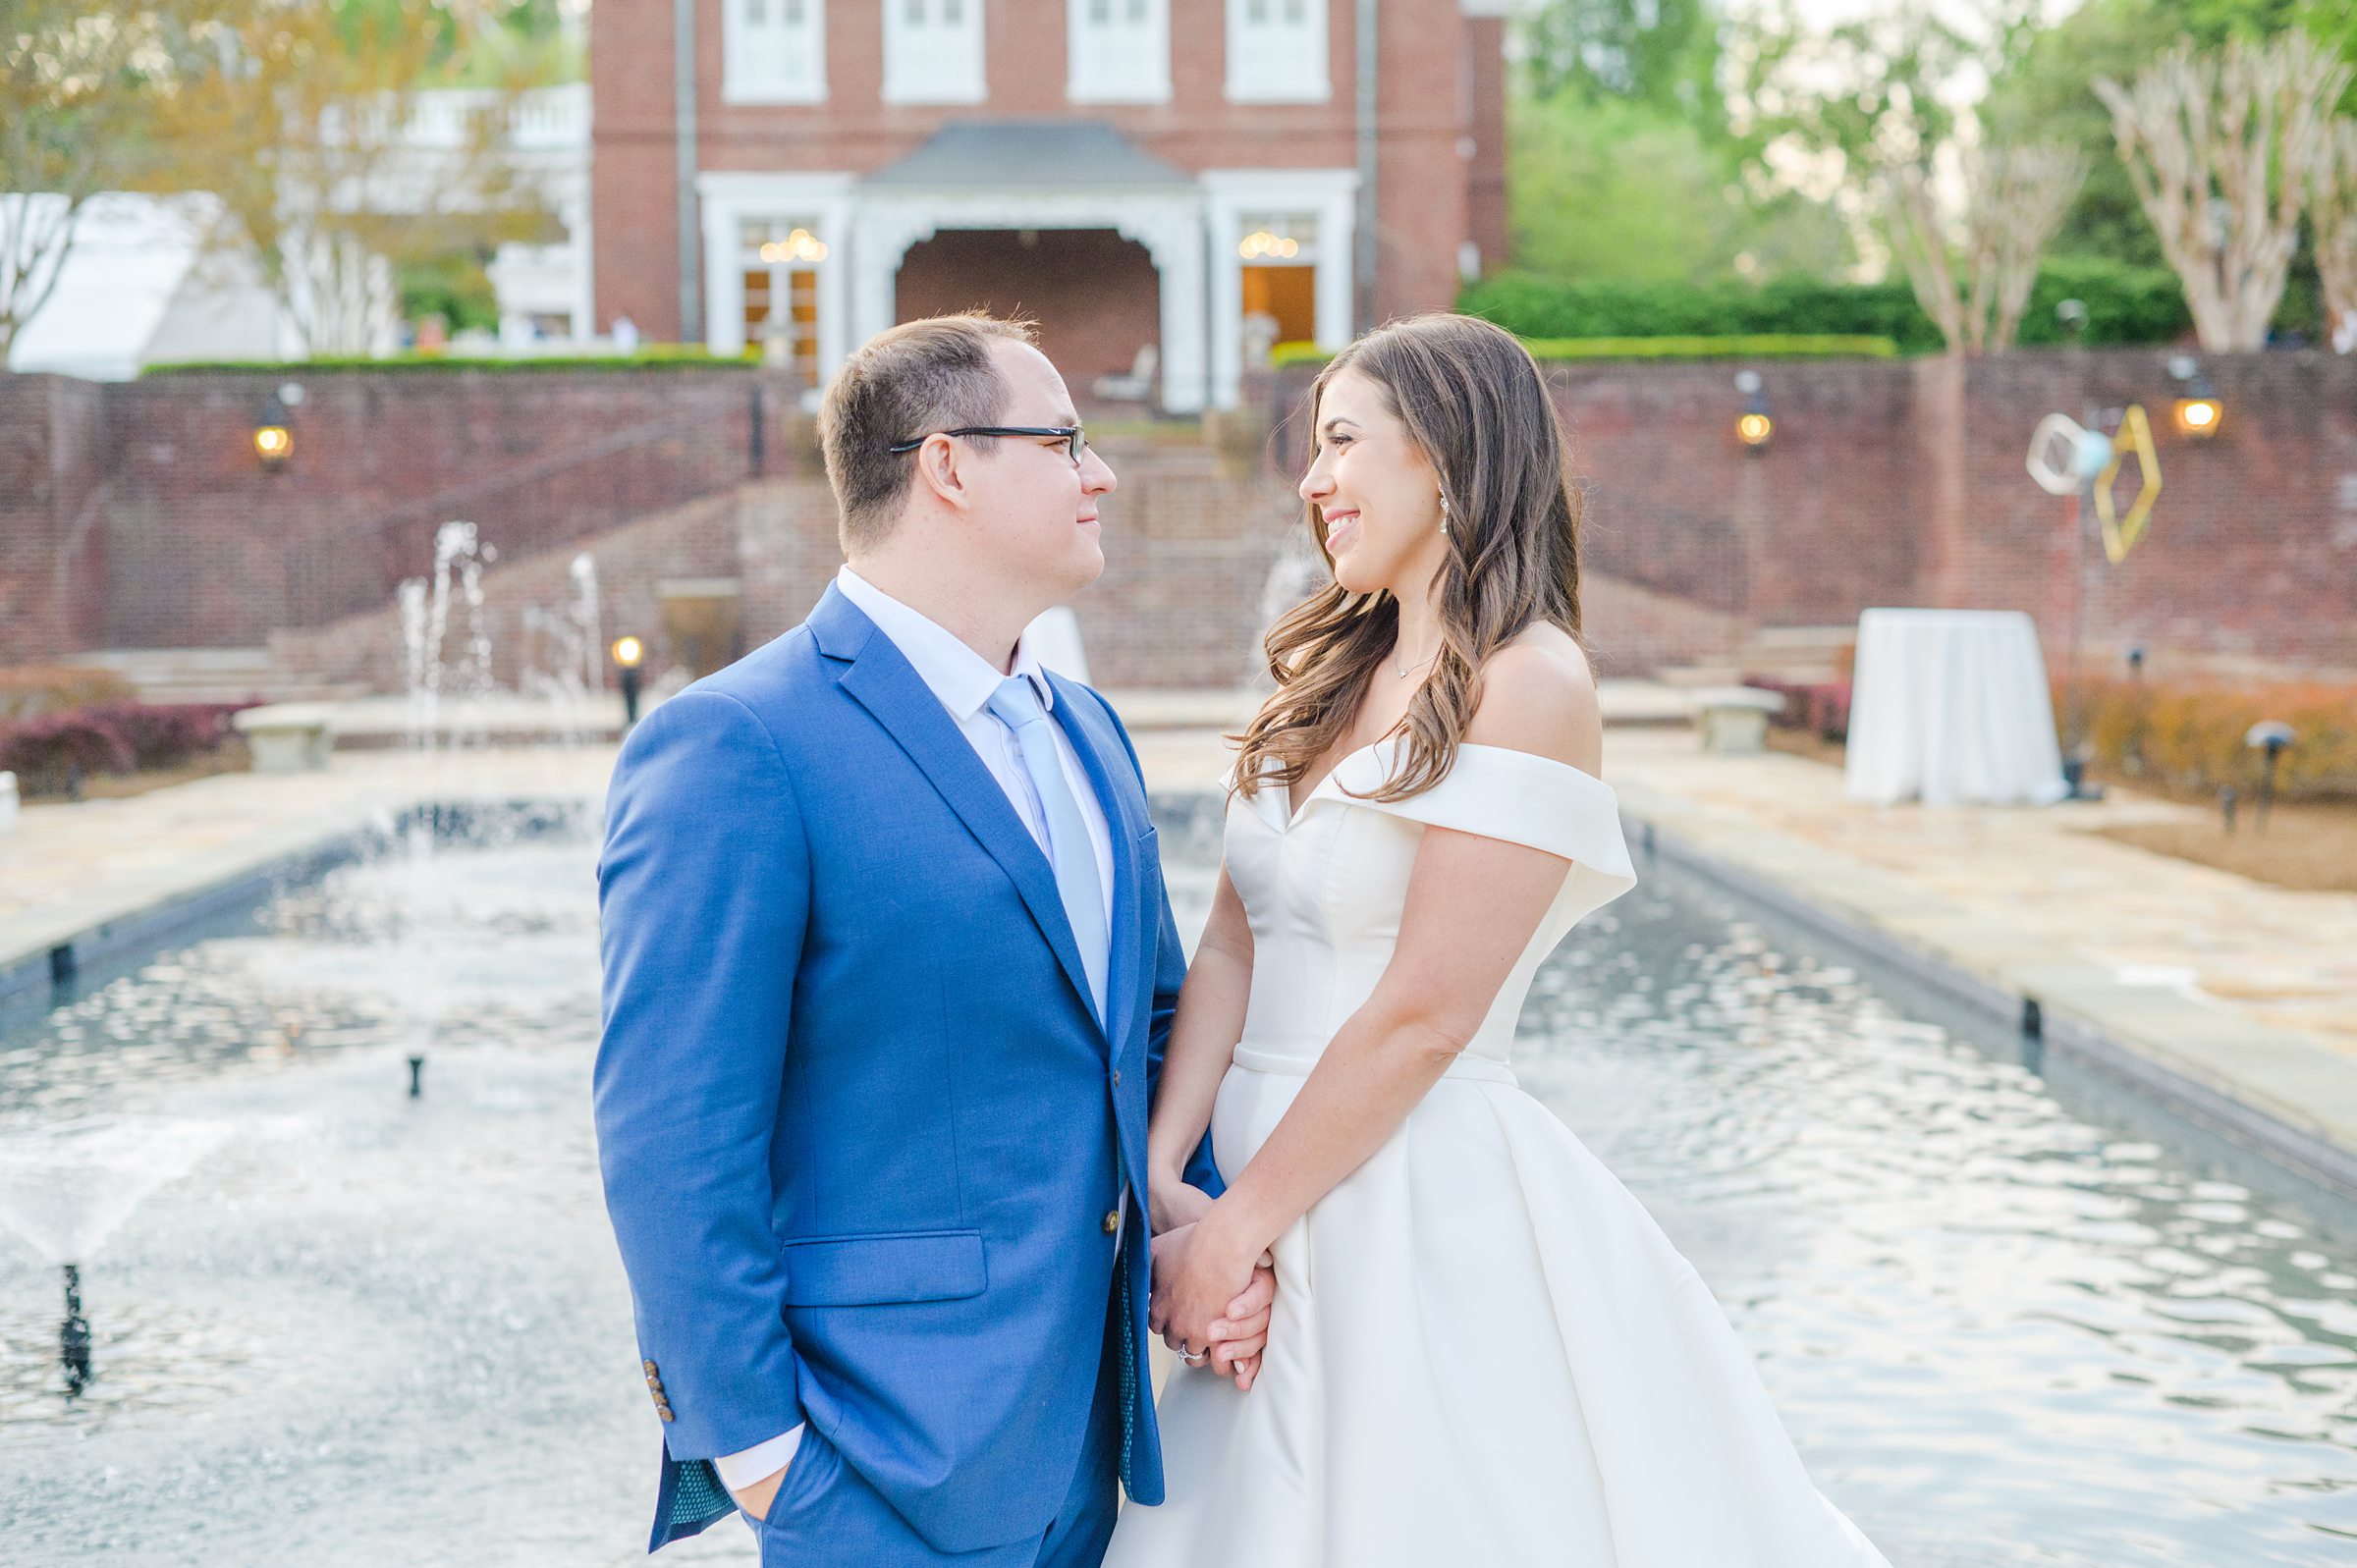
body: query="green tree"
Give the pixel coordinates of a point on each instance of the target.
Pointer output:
(1624, 164)
(1661, 53)
(1620, 189)
(2049, 94)
(1884, 105)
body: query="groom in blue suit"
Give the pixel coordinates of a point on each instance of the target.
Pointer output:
(889, 966)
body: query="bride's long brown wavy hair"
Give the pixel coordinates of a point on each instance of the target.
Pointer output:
(1475, 404)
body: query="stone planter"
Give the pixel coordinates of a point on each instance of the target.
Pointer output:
(287, 736)
(1735, 719)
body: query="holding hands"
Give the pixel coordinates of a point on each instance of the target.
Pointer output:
(1213, 1300)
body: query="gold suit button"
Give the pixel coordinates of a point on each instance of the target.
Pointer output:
(651, 1367)
(663, 1413)
(1113, 1222)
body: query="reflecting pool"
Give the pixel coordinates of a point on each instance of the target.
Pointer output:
(2011, 1318)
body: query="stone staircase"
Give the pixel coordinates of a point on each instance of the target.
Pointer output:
(1799, 655)
(214, 675)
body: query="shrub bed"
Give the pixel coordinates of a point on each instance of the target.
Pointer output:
(1822, 708)
(2189, 737)
(47, 752)
(1753, 346)
(30, 690)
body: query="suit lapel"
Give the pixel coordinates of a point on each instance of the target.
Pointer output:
(881, 681)
(1124, 819)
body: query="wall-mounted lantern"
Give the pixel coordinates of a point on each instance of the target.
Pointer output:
(2198, 411)
(274, 431)
(274, 436)
(1754, 426)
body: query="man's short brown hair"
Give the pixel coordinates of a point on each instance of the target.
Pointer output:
(917, 378)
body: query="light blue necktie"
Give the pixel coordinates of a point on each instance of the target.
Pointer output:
(1070, 853)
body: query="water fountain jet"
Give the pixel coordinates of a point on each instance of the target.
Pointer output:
(65, 1186)
(74, 1336)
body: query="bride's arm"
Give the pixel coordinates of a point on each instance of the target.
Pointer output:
(1203, 1036)
(1472, 903)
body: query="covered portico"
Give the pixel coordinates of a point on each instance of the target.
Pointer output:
(1035, 175)
(1235, 255)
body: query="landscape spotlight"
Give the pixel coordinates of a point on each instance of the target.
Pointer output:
(1753, 426)
(2269, 736)
(627, 651)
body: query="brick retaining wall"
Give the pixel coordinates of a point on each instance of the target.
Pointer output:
(136, 515)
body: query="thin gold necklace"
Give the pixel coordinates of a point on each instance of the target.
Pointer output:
(1402, 672)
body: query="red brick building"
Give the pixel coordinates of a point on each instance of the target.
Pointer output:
(1198, 176)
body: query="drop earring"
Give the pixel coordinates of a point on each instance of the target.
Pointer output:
(1443, 517)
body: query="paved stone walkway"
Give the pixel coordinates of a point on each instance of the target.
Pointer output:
(2241, 986)
(2247, 990)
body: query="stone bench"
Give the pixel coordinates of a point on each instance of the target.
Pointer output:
(287, 736)
(1735, 719)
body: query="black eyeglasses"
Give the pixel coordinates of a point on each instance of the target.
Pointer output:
(1075, 439)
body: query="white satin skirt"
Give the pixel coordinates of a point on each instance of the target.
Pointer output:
(1484, 1352)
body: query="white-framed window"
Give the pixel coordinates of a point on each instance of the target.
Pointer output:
(1277, 51)
(1120, 51)
(775, 51)
(933, 51)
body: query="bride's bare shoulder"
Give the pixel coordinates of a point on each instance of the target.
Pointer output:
(1539, 695)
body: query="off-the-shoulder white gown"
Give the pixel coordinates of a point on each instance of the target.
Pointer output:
(1484, 1350)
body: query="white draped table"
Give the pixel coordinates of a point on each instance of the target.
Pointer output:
(1951, 707)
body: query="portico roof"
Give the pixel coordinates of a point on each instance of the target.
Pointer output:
(1028, 153)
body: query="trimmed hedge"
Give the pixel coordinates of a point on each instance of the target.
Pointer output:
(2124, 306)
(1533, 306)
(1757, 346)
(1751, 346)
(656, 356)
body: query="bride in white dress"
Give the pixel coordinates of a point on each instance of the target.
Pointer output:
(1484, 1352)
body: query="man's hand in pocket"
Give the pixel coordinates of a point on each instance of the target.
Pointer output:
(756, 1498)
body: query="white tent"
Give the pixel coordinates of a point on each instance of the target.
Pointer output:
(136, 291)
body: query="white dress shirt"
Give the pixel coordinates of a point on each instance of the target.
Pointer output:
(963, 681)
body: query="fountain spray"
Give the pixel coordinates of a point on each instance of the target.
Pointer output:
(434, 735)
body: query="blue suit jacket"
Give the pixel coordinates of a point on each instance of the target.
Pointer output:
(861, 1128)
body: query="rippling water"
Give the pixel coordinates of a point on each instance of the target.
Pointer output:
(495, 937)
(2010, 1319)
